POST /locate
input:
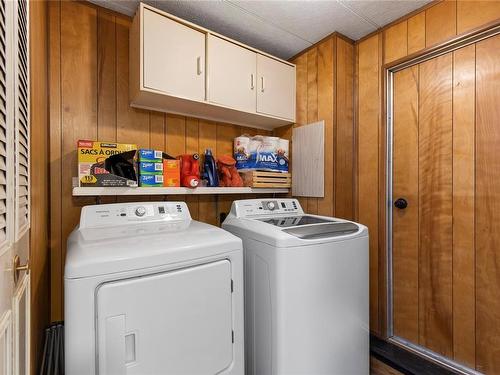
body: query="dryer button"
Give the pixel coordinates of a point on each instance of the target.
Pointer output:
(271, 205)
(140, 211)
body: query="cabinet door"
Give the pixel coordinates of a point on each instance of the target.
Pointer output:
(232, 75)
(174, 57)
(275, 88)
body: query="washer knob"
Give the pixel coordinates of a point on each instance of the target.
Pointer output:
(271, 205)
(140, 211)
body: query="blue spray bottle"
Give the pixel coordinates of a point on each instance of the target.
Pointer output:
(210, 168)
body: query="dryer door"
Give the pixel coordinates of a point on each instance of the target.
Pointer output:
(178, 322)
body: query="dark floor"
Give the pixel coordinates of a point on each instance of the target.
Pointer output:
(387, 357)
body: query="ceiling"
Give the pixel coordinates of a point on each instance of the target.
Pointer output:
(279, 27)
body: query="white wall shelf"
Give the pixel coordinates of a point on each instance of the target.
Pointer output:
(100, 191)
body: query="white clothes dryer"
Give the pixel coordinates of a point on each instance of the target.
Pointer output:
(148, 290)
(306, 290)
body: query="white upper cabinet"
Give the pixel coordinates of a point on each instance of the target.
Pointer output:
(232, 74)
(236, 84)
(174, 57)
(275, 88)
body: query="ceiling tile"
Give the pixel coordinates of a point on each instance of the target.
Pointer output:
(382, 12)
(310, 20)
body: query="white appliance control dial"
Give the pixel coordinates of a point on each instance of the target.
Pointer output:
(140, 211)
(271, 206)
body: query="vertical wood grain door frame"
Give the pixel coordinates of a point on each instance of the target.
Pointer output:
(389, 70)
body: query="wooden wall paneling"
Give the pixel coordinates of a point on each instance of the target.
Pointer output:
(106, 80)
(157, 139)
(344, 158)
(175, 142)
(382, 233)
(301, 102)
(78, 102)
(487, 209)
(312, 106)
(472, 14)
(326, 69)
(225, 137)
(192, 147)
(207, 138)
(132, 123)
(39, 236)
(55, 159)
(464, 65)
(368, 161)
(435, 205)
(106, 75)
(416, 33)
(440, 22)
(396, 42)
(405, 237)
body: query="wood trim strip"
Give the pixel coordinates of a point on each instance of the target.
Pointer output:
(333, 35)
(54, 158)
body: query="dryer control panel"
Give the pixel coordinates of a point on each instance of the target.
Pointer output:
(262, 207)
(127, 213)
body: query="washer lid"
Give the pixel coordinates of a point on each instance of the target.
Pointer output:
(325, 230)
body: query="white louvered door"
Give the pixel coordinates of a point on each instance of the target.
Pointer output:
(14, 187)
(21, 297)
(6, 186)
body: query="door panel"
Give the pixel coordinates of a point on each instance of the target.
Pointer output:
(488, 205)
(21, 309)
(174, 57)
(232, 76)
(435, 204)
(276, 88)
(446, 243)
(405, 221)
(178, 322)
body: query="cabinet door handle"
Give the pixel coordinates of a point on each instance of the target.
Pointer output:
(199, 70)
(252, 81)
(262, 88)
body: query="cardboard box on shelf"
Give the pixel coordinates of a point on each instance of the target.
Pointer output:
(148, 155)
(151, 180)
(171, 173)
(106, 164)
(146, 167)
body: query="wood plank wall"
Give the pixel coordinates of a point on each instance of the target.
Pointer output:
(435, 24)
(39, 236)
(325, 83)
(88, 75)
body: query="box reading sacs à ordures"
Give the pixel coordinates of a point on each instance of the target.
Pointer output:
(95, 166)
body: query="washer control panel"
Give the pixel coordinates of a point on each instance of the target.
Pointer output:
(261, 207)
(127, 213)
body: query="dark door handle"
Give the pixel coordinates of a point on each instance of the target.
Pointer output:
(401, 203)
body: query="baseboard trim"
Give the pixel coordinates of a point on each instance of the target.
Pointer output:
(403, 360)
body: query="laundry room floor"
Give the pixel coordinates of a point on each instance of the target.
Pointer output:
(380, 368)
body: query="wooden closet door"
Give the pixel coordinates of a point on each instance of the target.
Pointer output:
(422, 231)
(436, 270)
(446, 232)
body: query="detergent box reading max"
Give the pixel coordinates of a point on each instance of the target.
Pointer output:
(97, 161)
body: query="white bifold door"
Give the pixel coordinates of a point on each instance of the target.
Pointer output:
(14, 188)
(177, 322)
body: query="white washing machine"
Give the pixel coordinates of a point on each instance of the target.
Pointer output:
(150, 291)
(306, 290)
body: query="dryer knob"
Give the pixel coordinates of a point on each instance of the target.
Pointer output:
(140, 211)
(271, 205)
